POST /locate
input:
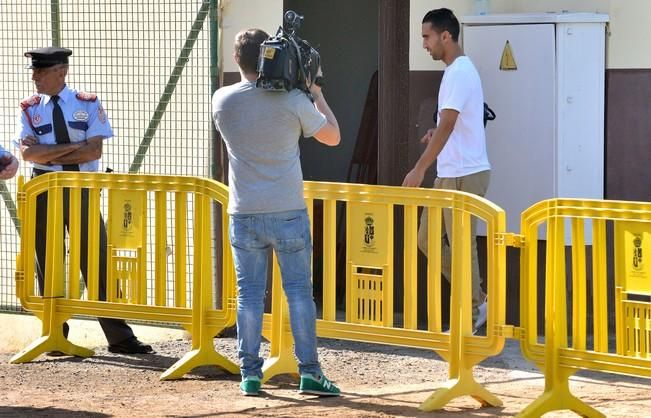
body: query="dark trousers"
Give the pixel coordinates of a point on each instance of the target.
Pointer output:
(115, 330)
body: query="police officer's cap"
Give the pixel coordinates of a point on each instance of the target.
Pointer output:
(48, 57)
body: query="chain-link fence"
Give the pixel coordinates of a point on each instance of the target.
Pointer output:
(152, 63)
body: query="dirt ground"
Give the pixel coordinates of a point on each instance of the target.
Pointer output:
(377, 381)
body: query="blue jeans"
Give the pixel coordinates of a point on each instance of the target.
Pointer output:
(252, 237)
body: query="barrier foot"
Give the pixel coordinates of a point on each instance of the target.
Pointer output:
(556, 399)
(196, 358)
(49, 343)
(465, 385)
(275, 366)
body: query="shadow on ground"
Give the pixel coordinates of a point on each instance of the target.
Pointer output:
(26, 412)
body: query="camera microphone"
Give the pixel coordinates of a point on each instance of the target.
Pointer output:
(293, 20)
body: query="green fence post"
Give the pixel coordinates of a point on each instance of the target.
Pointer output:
(217, 166)
(11, 205)
(55, 13)
(217, 163)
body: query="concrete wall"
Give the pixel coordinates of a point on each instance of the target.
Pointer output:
(419, 59)
(238, 15)
(17, 331)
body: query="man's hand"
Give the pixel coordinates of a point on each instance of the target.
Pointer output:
(8, 165)
(428, 136)
(72, 153)
(314, 89)
(329, 134)
(414, 178)
(28, 141)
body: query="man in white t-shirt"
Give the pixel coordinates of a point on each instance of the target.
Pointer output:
(458, 143)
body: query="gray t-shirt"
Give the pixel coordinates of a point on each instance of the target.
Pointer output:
(261, 130)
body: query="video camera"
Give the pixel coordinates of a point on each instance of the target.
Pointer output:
(286, 61)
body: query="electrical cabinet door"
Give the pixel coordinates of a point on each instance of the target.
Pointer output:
(521, 140)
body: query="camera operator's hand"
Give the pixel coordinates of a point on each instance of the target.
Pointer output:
(315, 89)
(329, 134)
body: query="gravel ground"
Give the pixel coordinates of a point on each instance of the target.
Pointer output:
(377, 381)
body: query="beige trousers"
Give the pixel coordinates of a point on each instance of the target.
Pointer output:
(476, 183)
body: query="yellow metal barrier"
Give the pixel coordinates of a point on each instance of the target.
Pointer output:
(127, 291)
(370, 276)
(633, 279)
(564, 348)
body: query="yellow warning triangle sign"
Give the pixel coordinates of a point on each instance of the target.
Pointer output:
(507, 63)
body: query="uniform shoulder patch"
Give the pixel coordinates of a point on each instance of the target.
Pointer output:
(30, 101)
(86, 97)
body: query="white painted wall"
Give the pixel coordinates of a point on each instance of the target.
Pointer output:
(419, 59)
(238, 15)
(629, 40)
(18, 330)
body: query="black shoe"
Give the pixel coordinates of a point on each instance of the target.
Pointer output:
(130, 346)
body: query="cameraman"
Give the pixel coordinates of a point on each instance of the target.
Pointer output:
(261, 130)
(8, 164)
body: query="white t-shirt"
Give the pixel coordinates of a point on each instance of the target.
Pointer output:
(465, 151)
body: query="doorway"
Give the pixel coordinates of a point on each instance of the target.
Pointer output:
(346, 34)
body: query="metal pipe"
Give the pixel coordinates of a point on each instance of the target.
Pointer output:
(55, 14)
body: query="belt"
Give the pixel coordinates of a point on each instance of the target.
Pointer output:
(38, 171)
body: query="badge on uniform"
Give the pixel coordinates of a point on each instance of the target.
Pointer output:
(30, 101)
(86, 97)
(80, 115)
(101, 114)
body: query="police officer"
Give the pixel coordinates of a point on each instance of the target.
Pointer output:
(59, 129)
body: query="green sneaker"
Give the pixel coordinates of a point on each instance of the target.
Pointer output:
(250, 386)
(322, 387)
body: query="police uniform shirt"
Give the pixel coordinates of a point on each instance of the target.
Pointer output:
(85, 118)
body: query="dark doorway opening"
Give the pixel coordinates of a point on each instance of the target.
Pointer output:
(346, 35)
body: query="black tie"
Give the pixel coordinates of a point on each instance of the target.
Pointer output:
(60, 130)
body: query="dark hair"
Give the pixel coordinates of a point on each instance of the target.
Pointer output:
(247, 48)
(443, 20)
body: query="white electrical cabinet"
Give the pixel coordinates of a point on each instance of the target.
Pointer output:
(543, 75)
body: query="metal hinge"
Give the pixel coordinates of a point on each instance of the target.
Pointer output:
(19, 276)
(510, 331)
(509, 239)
